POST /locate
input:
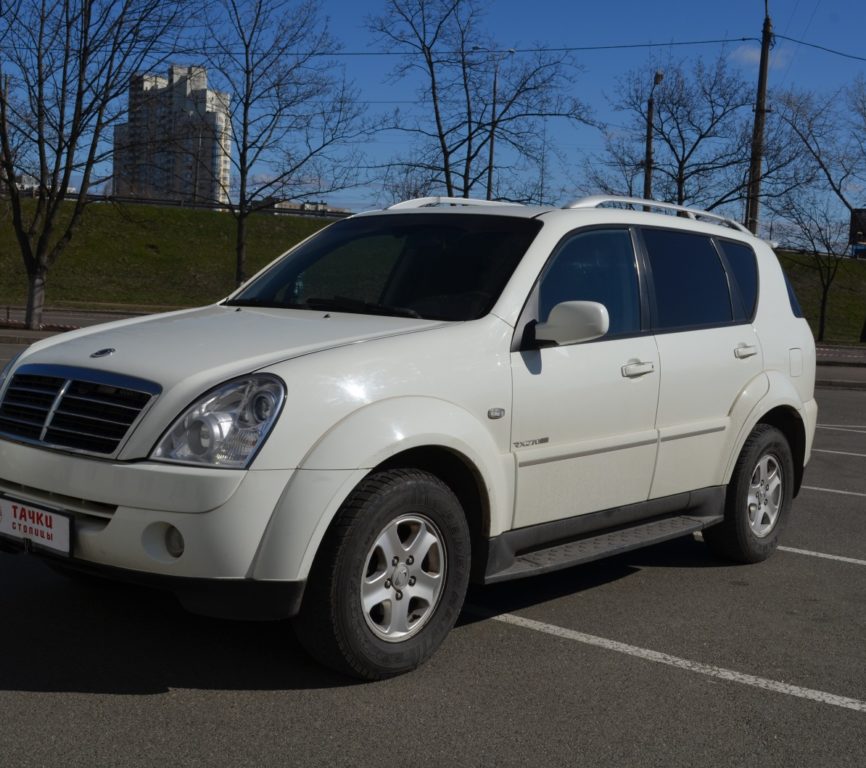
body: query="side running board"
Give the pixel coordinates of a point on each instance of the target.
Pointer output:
(599, 545)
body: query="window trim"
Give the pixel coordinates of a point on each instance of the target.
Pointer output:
(658, 331)
(523, 338)
(732, 275)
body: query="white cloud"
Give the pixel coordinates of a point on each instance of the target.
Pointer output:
(748, 55)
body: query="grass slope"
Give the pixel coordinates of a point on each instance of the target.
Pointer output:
(846, 309)
(150, 256)
(153, 257)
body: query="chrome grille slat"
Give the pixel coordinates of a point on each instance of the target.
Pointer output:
(87, 417)
(96, 401)
(73, 409)
(22, 421)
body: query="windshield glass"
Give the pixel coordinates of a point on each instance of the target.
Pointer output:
(439, 266)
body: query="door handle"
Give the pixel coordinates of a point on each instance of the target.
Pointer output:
(633, 370)
(745, 350)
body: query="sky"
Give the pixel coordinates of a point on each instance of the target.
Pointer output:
(829, 23)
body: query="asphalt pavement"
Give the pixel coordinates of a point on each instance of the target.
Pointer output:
(660, 657)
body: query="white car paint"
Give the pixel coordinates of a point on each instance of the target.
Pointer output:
(575, 436)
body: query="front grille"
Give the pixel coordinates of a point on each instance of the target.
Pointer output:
(73, 408)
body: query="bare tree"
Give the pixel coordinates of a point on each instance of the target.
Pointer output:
(294, 122)
(815, 226)
(481, 108)
(700, 127)
(63, 65)
(832, 131)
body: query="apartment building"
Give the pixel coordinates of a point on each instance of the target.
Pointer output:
(176, 144)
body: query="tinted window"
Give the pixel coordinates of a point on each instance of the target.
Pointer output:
(437, 266)
(792, 297)
(598, 265)
(691, 287)
(741, 259)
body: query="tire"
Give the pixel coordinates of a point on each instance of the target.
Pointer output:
(390, 576)
(758, 499)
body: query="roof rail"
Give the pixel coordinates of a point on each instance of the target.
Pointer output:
(595, 201)
(426, 202)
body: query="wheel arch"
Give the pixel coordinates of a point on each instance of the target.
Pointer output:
(776, 402)
(431, 435)
(788, 421)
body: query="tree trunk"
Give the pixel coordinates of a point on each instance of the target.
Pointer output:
(822, 314)
(241, 249)
(35, 299)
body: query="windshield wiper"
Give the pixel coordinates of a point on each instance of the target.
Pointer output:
(345, 304)
(265, 303)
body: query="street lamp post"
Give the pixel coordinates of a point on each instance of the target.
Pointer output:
(493, 121)
(648, 159)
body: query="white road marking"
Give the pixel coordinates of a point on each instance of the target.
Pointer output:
(839, 453)
(832, 490)
(690, 666)
(823, 555)
(838, 428)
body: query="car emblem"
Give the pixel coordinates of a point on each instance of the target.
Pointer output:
(104, 352)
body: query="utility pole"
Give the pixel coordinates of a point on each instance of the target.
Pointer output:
(755, 166)
(648, 159)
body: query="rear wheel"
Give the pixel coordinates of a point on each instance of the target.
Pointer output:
(389, 580)
(758, 499)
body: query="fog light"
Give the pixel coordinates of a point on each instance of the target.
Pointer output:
(174, 541)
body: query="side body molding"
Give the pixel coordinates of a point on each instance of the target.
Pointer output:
(345, 454)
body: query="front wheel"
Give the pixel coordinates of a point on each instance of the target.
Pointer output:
(390, 577)
(758, 499)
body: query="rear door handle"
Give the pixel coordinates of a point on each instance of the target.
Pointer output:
(633, 370)
(745, 350)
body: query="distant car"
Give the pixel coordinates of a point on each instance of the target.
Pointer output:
(444, 390)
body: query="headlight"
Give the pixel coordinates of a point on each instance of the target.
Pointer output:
(7, 369)
(227, 426)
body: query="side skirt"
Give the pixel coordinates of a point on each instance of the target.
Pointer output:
(581, 539)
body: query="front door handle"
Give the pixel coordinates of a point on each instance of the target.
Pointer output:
(633, 370)
(745, 350)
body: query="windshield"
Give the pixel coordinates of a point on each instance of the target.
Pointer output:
(438, 267)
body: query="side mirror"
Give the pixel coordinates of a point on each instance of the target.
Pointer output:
(572, 322)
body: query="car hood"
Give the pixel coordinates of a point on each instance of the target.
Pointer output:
(206, 346)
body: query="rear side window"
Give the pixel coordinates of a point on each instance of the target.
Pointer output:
(690, 284)
(792, 297)
(596, 265)
(741, 259)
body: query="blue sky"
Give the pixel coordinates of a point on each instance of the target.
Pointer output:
(830, 23)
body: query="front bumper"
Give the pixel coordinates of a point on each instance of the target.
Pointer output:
(121, 511)
(241, 599)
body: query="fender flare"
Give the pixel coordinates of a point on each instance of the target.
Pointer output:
(359, 443)
(779, 392)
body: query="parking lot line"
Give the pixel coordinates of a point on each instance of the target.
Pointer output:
(824, 555)
(839, 453)
(719, 673)
(832, 490)
(838, 428)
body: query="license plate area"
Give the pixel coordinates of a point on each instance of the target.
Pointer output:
(36, 526)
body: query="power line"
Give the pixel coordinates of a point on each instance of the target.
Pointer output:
(822, 48)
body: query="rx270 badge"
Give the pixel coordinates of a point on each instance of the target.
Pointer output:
(529, 443)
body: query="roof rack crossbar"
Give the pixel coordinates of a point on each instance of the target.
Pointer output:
(425, 202)
(595, 201)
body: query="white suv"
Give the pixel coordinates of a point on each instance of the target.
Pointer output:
(444, 390)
